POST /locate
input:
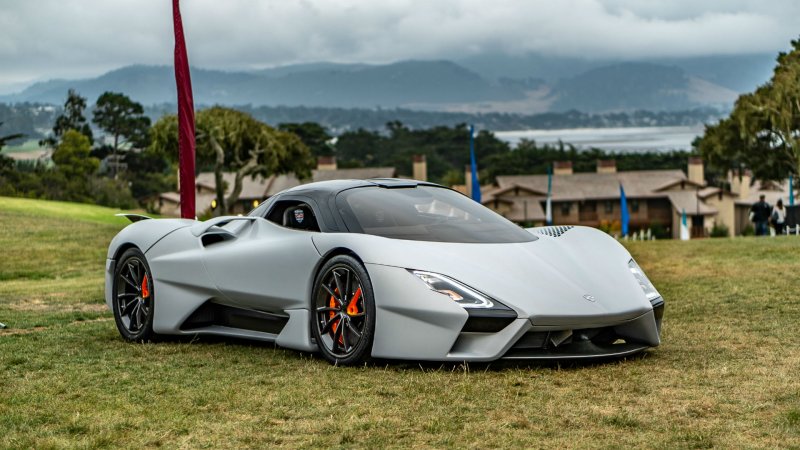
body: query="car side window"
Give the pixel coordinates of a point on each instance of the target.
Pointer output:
(294, 214)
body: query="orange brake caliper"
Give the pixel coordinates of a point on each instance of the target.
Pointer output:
(145, 289)
(352, 307)
(332, 304)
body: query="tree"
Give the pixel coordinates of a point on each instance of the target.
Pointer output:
(71, 119)
(230, 140)
(313, 135)
(763, 130)
(445, 148)
(74, 166)
(123, 119)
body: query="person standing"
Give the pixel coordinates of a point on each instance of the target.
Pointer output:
(778, 217)
(760, 212)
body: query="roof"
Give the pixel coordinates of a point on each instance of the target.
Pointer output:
(527, 208)
(253, 188)
(498, 193)
(592, 185)
(281, 183)
(772, 191)
(361, 173)
(689, 202)
(709, 191)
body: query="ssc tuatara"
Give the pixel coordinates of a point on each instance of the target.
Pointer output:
(383, 268)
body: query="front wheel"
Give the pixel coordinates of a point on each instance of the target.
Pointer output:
(343, 311)
(133, 299)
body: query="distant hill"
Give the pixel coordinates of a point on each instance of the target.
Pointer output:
(740, 73)
(488, 84)
(632, 86)
(387, 85)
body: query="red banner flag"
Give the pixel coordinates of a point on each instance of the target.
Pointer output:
(186, 144)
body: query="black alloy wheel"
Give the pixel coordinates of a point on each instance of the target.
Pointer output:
(133, 297)
(343, 311)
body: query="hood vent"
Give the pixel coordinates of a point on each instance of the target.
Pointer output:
(554, 231)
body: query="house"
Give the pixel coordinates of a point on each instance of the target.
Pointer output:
(655, 198)
(256, 190)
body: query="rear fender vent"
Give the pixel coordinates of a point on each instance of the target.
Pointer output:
(554, 231)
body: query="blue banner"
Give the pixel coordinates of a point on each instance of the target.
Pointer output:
(476, 187)
(623, 204)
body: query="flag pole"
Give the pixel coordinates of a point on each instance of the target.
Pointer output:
(476, 188)
(548, 207)
(623, 206)
(186, 130)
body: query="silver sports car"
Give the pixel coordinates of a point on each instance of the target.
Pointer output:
(383, 268)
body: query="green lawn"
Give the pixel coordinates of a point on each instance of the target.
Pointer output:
(727, 374)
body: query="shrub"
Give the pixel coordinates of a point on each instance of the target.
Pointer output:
(719, 230)
(660, 231)
(110, 192)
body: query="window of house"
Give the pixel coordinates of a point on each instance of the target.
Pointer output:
(565, 207)
(634, 205)
(609, 206)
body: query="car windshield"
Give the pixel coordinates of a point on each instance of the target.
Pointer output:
(426, 213)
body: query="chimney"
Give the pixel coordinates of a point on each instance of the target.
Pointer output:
(562, 168)
(695, 171)
(740, 182)
(468, 179)
(419, 168)
(606, 166)
(326, 163)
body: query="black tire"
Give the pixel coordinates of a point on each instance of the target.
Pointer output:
(350, 343)
(133, 297)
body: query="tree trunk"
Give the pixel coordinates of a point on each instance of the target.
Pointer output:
(219, 181)
(116, 161)
(247, 169)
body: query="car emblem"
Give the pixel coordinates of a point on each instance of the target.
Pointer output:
(590, 297)
(299, 215)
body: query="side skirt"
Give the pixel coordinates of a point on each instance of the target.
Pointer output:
(216, 330)
(228, 320)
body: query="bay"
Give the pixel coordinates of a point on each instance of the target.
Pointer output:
(633, 139)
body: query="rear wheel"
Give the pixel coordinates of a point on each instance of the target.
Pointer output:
(343, 311)
(133, 297)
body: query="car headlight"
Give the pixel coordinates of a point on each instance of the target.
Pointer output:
(649, 290)
(459, 293)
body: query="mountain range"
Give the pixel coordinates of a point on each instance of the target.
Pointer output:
(494, 83)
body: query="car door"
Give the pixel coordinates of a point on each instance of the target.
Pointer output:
(263, 265)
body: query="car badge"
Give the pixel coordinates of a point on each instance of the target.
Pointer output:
(590, 298)
(299, 215)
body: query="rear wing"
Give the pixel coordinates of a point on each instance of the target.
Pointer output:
(133, 217)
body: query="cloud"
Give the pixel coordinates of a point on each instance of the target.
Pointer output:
(42, 39)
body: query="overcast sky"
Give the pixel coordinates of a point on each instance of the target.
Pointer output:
(43, 39)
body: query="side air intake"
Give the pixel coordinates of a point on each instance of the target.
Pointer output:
(554, 231)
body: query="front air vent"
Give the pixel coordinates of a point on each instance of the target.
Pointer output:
(554, 231)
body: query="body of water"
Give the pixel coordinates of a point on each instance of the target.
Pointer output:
(637, 139)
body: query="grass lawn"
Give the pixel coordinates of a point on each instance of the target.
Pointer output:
(727, 374)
